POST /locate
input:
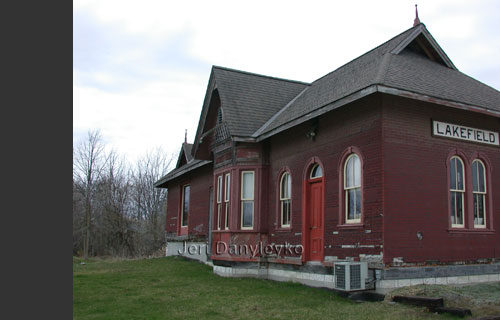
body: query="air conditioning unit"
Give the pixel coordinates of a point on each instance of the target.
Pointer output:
(350, 275)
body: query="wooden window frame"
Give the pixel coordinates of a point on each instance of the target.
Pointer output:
(283, 199)
(462, 191)
(182, 206)
(243, 200)
(478, 192)
(354, 187)
(227, 190)
(219, 201)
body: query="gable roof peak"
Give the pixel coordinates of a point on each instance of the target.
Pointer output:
(420, 39)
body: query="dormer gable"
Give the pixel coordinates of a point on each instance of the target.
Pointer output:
(185, 155)
(421, 42)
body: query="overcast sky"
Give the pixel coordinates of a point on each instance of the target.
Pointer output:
(141, 68)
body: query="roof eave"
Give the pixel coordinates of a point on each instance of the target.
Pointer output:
(426, 98)
(162, 183)
(370, 90)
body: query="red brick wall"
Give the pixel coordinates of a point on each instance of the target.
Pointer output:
(416, 184)
(359, 125)
(200, 180)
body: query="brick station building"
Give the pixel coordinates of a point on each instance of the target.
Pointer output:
(392, 159)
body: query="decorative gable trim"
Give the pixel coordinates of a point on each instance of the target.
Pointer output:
(421, 30)
(204, 111)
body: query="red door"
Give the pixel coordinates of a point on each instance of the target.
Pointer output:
(315, 220)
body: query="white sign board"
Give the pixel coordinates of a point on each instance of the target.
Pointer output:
(455, 131)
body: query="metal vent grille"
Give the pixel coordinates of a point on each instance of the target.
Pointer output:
(355, 275)
(340, 276)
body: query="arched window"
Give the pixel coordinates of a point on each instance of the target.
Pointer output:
(285, 195)
(479, 193)
(185, 205)
(316, 171)
(352, 189)
(457, 191)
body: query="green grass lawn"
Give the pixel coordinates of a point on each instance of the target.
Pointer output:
(173, 288)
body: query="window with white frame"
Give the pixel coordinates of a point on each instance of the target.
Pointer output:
(227, 184)
(479, 193)
(352, 189)
(285, 195)
(316, 171)
(457, 191)
(219, 201)
(247, 199)
(185, 205)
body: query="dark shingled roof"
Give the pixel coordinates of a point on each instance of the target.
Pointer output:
(185, 153)
(402, 70)
(190, 166)
(248, 100)
(257, 106)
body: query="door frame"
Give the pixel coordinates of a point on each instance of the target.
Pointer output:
(306, 185)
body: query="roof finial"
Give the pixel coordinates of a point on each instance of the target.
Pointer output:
(186, 136)
(417, 20)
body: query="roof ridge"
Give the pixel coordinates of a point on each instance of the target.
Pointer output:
(259, 75)
(384, 67)
(366, 53)
(268, 122)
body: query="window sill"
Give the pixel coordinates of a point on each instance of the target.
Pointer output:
(472, 231)
(221, 231)
(351, 226)
(235, 231)
(283, 230)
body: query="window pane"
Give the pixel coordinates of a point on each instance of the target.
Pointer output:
(219, 188)
(460, 177)
(316, 172)
(453, 207)
(185, 206)
(460, 216)
(247, 185)
(351, 203)
(357, 171)
(453, 174)
(226, 224)
(349, 173)
(228, 185)
(480, 171)
(479, 209)
(474, 176)
(289, 186)
(358, 203)
(285, 186)
(480, 206)
(247, 213)
(285, 212)
(219, 216)
(476, 209)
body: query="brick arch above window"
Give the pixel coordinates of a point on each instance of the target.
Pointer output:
(309, 165)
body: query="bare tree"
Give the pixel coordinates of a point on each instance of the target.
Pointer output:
(115, 229)
(116, 209)
(88, 163)
(150, 202)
